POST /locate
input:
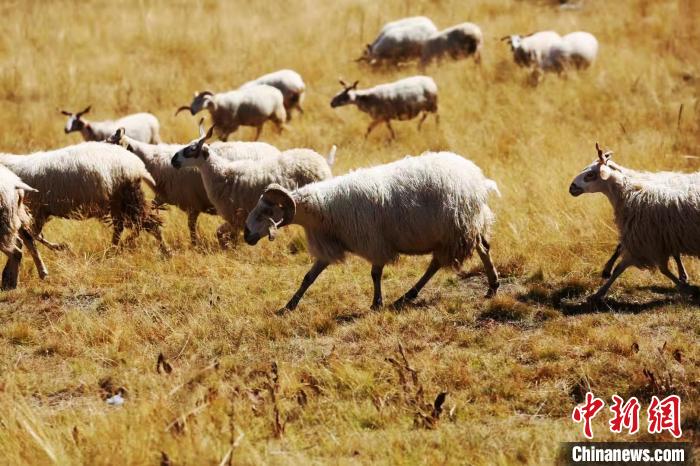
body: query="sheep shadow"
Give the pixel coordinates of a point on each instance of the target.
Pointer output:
(612, 305)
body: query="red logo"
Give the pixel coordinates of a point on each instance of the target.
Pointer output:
(665, 415)
(587, 412)
(626, 415)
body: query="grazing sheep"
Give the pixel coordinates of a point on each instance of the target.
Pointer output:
(235, 186)
(184, 188)
(580, 49)
(434, 203)
(401, 100)
(541, 50)
(656, 221)
(289, 83)
(87, 180)
(15, 222)
(252, 106)
(399, 41)
(140, 126)
(460, 41)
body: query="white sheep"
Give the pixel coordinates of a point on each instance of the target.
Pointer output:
(233, 187)
(401, 100)
(184, 188)
(15, 222)
(87, 180)
(580, 49)
(656, 221)
(140, 126)
(460, 41)
(252, 106)
(289, 83)
(434, 203)
(541, 50)
(399, 41)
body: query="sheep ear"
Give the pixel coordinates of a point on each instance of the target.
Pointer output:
(342, 83)
(121, 132)
(354, 85)
(201, 127)
(605, 172)
(86, 111)
(66, 112)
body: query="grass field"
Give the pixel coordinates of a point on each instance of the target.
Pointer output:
(514, 367)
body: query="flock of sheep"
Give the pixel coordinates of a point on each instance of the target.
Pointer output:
(435, 203)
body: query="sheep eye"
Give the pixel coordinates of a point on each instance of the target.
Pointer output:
(590, 177)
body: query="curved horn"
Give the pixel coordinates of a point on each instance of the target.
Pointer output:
(204, 93)
(201, 127)
(184, 107)
(276, 194)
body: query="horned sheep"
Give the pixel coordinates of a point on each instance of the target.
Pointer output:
(15, 222)
(434, 203)
(233, 187)
(184, 188)
(401, 100)
(655, 220)
(140, 126)
(252, 106)
(87, 180)
(289, 83)
(460, 41)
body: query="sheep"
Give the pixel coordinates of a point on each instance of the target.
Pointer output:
(87, 180)
(233, 187)
(289, 83)
(434, 203)
(140, 126)
(655, 220)
(401, 100)
(15, 222)
(580, 49)
(399, 41)
(541, 50)
(460, 41)
(184, 188)
(252, 106)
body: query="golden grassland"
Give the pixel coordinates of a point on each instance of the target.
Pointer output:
(513, 367)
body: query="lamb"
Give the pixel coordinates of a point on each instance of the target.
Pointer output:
(580, 49)
(252, 106)
(541, 50)
(434, 203)
(401, 100)
(289, 83)
(399, 41)
(460, 41)
(233, 187)
(140, 126)
(87, 180)
(656, 221)
(184, 188)
(15, 221)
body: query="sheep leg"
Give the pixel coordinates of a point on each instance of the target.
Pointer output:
(682, 286)
(420, 123)
(413, 292)
(391, 130)
(484, 251)
(310, 277)
(377, 281)
(36, 257)
(257, 133)
(10, 273)
(152, 225)
(192, 225)
(607, 270)
(371, 127)
(617, 271)
(682, 274)
(227, 235)
(118, 229)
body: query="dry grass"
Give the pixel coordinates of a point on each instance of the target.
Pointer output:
(513, 367)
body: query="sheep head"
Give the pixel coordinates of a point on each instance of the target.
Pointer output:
(592, 179)
(200, 101)
(75, 121)
(346, 96)
(194, 152)
(117, 138)
(275, 209)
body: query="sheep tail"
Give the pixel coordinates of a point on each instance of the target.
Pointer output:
(330, 160)
(148, 179)
(492, 186)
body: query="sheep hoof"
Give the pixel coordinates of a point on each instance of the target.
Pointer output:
(401, 303)
(283, 311)
(594, 302)
(376, 306)
(492, 291)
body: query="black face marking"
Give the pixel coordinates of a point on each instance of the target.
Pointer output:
(592, 176)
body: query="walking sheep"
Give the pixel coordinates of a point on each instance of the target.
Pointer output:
(541, 50)
(289, 83)
(655, 221)
(399, 41)
(460, 41)
(87, 180)
(184, 188)
(252, 106)
(140, 126)
(233, 187)
(401, 100)
(15, 222)
(434, 203)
